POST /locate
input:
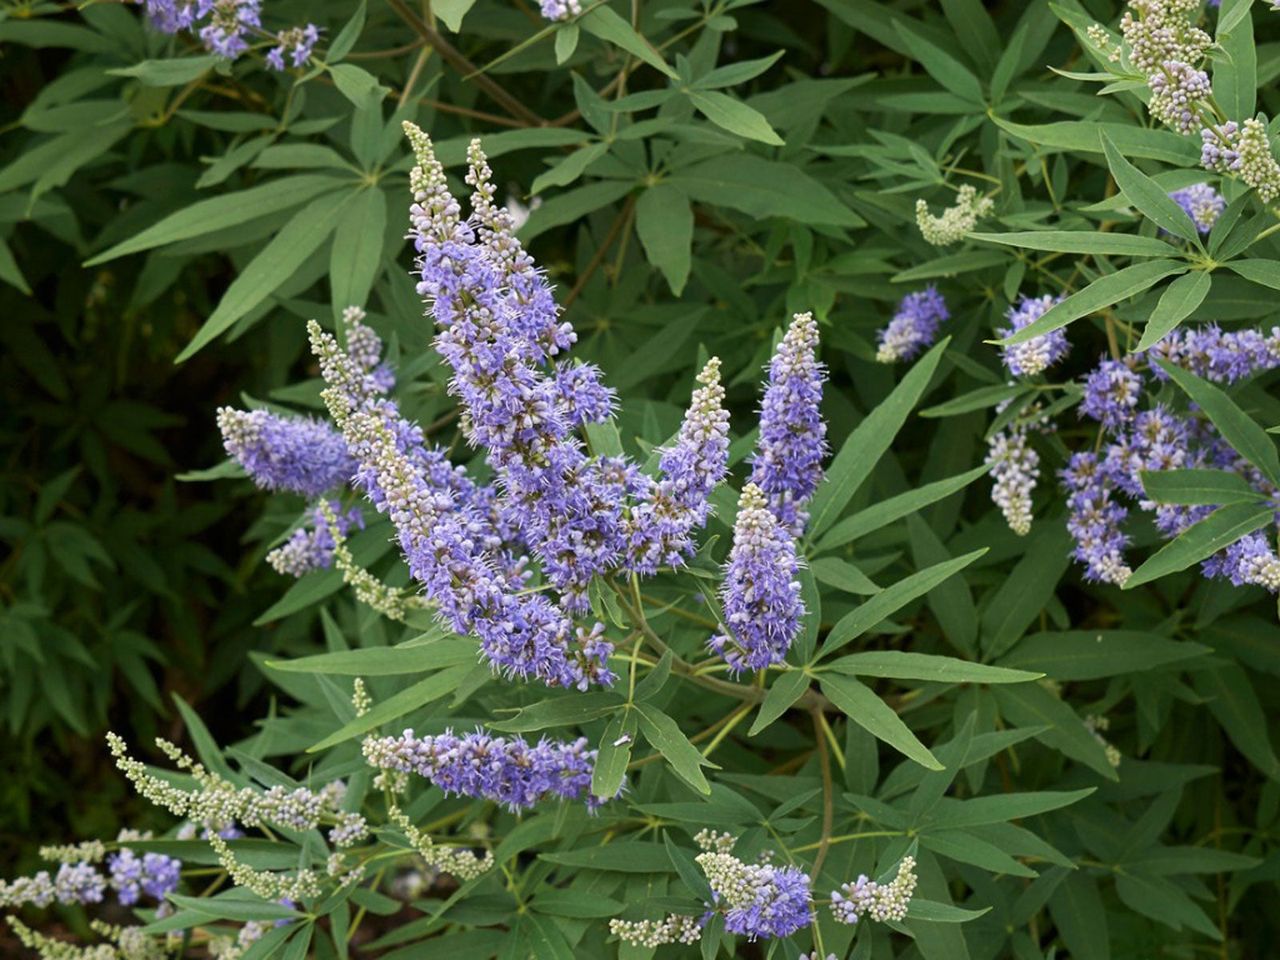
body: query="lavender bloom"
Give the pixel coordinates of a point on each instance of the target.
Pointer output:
(311, 548)
(297, 454)
(1094, 520)
(759, 900)
(511, 772)
(79, 883)
(560, 9)
(914, 326)
(1039, 353)
(497, 323)
(788, 463)
(297, 42)
(170, 16)
(1111, 393)
(152, 874)
(1250, 560)
(761, 594)
(661, 526)
(1202, 204)
(229, 23)
(1222, 357)
(37, 891)
(446, 544)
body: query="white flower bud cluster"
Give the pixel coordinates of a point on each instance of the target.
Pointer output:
(360, 698)
(880, 902)
(1160, 30)
(675, 928)
(709, 840)
(1098, 726)
(217, 801)
(302, 885)
(729, 877)
(48, 948)
(458, 861)
(1257, 164)
(1015, 465)
(90, 851)
(956, 221)
(392, 603)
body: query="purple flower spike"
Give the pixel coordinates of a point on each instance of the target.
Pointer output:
(788, 464)
(1039, 353)
(761, 595)
(297, 454)
(914, 326)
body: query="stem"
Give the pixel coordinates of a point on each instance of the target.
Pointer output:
(458, 60)
(828, 795)
(623, 217)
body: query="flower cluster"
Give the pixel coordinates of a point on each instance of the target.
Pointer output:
(1243, 150)
(1202, 203)
(914, 326)
(1102, 486)
(956, 221)
(1036, 355)
(757, 899)
(761, 595)
(511, 772)
(1015, 465)
(673, 928)
(153, 874)
(80, 881)
(787, 465)
(214, 800)
(1177, 94)
(560, 9)
(226, 26)
(311, 548)
(295, 454)
(880, 902)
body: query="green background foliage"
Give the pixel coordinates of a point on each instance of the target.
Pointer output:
(168, 222)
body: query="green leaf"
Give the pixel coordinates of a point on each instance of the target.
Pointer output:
(412, 657)
(569, 206)
(613, 754)
(1027, 589)
(235, 907)
(1151, 200)
(619, 856)
(1265, 272)
(1003, 807)
(843, 576)
(1083, 241)
(297, 240)
(1031, 705)
(887, 511)
(209, 216)
(785, 690)
(560, 712)
(452, 12)
(902, 665)
(578, 904)
(354, 83)
(951, 265)
(931, 911)
(664, 224)
(1102, 293)
(1198, 487)
(348, 35)
(861, 705)
(566, 42)
(870, 439)
(979, 399)
(396, 706)
(355, 258)
(569, 169)
(892, 599)
(661, 731)
(1178, 301)
(168, 73)
(763, 188)
(1234, 704)
(1076, 136)
(10, 272)
(1220, 529)
(1081, 917)
(1235, 72)
(734, 115)
(951, 73)
(1236, 427)
(603, 22)
(1094, 654)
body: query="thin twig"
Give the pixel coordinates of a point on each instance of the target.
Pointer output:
(624, 216)
(458, 60)
(828, 795)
